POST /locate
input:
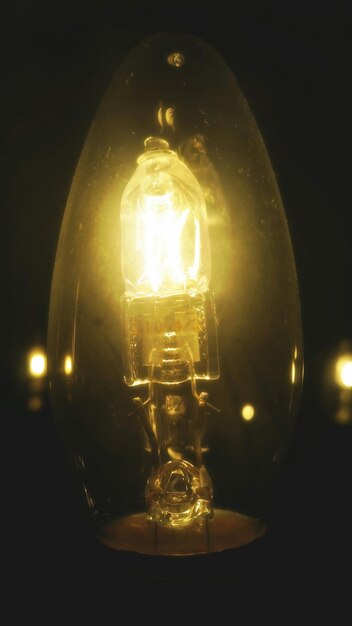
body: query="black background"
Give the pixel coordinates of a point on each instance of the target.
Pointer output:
(293, 63)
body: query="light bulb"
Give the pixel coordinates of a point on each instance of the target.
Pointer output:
(36, 371)
(68, 365)
(248, 412)
(337, 384)
(174, 331)
(37, 363)
(343, 371)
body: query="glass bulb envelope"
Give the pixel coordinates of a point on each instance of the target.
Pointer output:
(175, 343)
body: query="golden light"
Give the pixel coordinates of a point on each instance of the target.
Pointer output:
(293, 372)
(165, 241)
(155, 305)
(37, 363)
(68, 365)
(343, 371)
(248, 412)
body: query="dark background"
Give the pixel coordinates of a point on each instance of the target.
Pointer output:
(293, 63)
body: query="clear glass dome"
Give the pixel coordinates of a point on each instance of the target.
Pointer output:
(175, 343)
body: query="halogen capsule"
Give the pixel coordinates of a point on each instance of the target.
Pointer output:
(169, 328)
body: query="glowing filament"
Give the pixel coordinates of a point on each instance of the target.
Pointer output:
(165, 246)
(161, 237)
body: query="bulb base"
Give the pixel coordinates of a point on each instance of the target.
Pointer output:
(170, 339)
(227, 530)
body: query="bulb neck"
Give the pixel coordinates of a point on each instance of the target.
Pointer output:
(170, 340)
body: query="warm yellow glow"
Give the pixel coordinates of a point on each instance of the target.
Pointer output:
(161, 240)
(343, 371)
(68, 366)
(293, 372)
(37, 363)
(247, 412)
(165, 246)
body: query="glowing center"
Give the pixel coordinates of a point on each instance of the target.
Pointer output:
(165, 235)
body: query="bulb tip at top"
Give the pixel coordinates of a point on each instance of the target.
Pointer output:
(156, 143)
(176, 59)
